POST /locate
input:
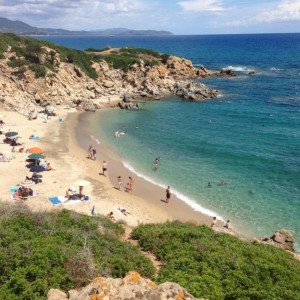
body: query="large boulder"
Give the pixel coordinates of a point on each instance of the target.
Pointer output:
(282, 239)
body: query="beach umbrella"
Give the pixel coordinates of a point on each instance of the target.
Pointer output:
(35, 150)
(27, 183)
(36, 156)
(11, 134)
(37, 169)
(81, 182)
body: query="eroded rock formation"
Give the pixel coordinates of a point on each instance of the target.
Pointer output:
(68, 84)
(133, 286)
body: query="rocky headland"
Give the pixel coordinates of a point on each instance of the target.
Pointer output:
(44, 73)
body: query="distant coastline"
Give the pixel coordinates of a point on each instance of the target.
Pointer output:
(21, 28)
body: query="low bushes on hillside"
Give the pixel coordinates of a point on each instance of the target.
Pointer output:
(64, 250)
(31, 54)
(218, 266)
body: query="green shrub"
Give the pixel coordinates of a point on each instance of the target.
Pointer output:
(63, 250)
(219, 266)
(39, 70)
(151, 63)
(97, 50)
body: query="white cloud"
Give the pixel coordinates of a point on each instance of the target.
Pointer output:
(287, 10)
(202, 5)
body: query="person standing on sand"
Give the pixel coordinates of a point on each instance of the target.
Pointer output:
(90, 152)
(168, 194)
(131, 182)
(214, 222)
(94, 153)
(104, 168)
(120, 183)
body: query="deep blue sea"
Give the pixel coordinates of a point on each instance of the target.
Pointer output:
(250, 137)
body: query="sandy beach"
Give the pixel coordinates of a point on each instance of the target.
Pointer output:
(65, 146)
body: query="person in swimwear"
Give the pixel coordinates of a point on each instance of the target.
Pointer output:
(168, 194)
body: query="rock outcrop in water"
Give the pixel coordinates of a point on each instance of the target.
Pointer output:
(66, 83)
(133, 286)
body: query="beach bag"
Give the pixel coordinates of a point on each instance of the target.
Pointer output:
(86, 198)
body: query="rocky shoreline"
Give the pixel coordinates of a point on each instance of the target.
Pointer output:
(68, 84)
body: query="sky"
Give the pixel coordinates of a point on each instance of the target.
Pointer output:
(177, 16)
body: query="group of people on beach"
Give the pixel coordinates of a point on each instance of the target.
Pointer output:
(128, 186)
(215, 221)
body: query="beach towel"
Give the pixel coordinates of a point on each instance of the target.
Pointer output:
(13, 189)
(55, 200)
(63, 200)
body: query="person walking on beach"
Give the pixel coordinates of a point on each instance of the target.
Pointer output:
(104, 168)
(214, 222)
(120, 183)
(168, 194)
(131, 182)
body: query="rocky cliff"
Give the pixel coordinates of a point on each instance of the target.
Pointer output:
(133, 286)
(64, 82)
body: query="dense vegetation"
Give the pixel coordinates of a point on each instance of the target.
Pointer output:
(125, 57)
(64, 250)
(218, 266)
(30, 53)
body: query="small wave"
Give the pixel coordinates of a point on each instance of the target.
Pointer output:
(190, 202)
(275, 69)
(238, 69)
(94, 139)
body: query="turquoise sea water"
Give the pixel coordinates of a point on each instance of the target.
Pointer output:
(250, 137)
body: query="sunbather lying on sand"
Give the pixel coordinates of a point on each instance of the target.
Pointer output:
(124, 211)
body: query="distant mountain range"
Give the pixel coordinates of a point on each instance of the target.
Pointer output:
(22, 28)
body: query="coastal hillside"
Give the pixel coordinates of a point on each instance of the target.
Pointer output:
(33, 71)
(19, 27)
(60, 253)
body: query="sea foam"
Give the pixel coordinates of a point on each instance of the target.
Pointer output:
(190, 202)
(238, 69)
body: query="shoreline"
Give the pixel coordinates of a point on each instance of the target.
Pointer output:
(149, 193)
(65, 145)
